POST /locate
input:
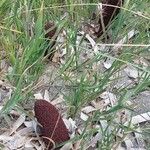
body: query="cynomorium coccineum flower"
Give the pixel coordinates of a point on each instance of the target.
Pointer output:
(108, 14)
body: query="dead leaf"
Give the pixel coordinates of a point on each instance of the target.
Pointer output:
(83, 116)
(38, 96)
(109, 98)
(58, 100)
(67, 146)
(71, 126)
(131, 72)
(125, 39)
(46, 95)
(18, 123)
(25, 131)
(141, 118)
(108, 63)
(94, 140)
(88, 109)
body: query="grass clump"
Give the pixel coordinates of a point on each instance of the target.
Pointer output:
(23, 40)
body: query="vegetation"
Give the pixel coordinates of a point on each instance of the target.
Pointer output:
(22, 39)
